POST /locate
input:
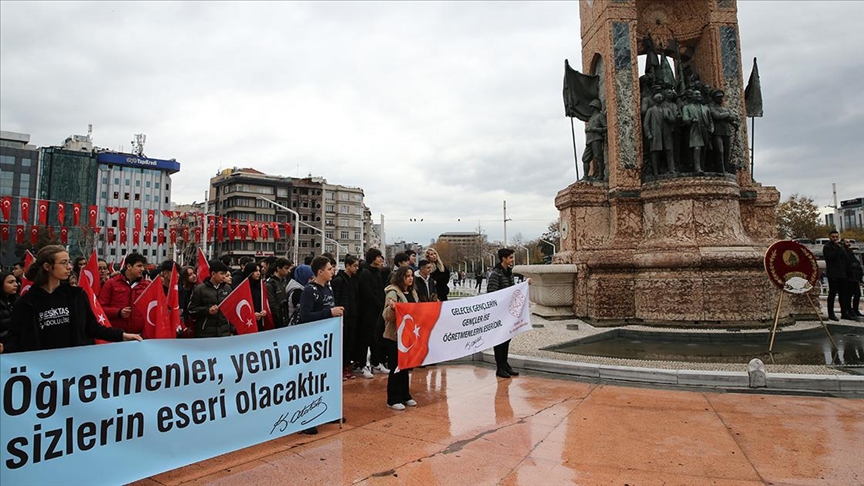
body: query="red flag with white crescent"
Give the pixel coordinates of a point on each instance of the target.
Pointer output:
(136, 236)
(61, 213)
(122, 236)
(112, 210)
(153, 306)
(76, 214)
(185, 233)
(148, 236)
(269, 323)
(6, 207)
(19, 234)
(264, 233)
(137, 216)
(92, 213)
(151, 219)
(34, 235)
(29, 258)
(244, 231)
(4, 233)
(25, 209)
(276, 235)
(236, 227)
(220, 231)
(123, 215)
(173, 235)
(97, 310)
(198, 234)
(287, 229)
(64, 235)
(414, 325)
(168, 214)
(254, 231)
(89, 276)
(230, 231)
(25, 282)
(42, 212)
(203, 270)
(160, 236)
(110, 235)
(239, 310)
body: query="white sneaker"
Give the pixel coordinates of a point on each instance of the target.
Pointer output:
(411, 403)
(397, 406)
(380, 368)
(367, 372)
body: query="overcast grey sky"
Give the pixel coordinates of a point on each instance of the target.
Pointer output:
(438, 110)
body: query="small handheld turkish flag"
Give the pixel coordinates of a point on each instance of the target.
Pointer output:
(152, 305)
(238, 308)
(203, 270)
(90, 274)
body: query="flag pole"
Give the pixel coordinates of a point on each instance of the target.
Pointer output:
(752, 144)
(575, 156)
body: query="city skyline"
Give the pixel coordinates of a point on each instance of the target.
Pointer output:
(462, 101)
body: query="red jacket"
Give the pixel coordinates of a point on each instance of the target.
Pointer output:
(118, 293)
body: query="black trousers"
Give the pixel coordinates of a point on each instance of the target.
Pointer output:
(855, 290)
(362, 340)
(380, 350)
(839, 288)
(501, 353)
(397, 383)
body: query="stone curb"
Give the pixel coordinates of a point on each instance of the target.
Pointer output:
(787, 382)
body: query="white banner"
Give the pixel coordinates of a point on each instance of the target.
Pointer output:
(432, 332)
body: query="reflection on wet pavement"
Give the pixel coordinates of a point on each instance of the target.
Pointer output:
(473, 428)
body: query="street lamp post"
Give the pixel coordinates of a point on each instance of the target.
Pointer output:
(527, 256)
(554, 251)
(296, 231)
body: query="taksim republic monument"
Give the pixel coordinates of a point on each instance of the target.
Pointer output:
(667, 227)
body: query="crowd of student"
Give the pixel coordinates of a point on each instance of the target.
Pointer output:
(55, 312)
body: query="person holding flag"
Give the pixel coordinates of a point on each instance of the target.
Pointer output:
(252, 273)
(401, 289)
(53, 316)
(205, 300)
(121, 291)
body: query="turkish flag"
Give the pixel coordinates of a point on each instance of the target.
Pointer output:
(43, 212)
(25, 282)
(97, 230)
(110, 235)
(112, 210)
(137, 213)
(173, 235)
(153, 306)
(203, 270)
(269, 324)
(230, 231)
(25, 209)
(185, 233)
(89, 276)
(136, 236)
(197, 234)
(148, 236)
(76, 214)
(239, 310)
(243, 231)
(276, 235)
(6, 206)
(93, 210)
(287, 229)
(160, 236)
(414, 325)
(64, 235)
(29, 258)
(236, 227)
(4, 233)
(124, 212)
(19, 234)
(220, 234)
(167, 214)
(151, 219)
(122, 236)
(211, 225)
(34, 235)
(97, 310)
(174, 301)
(254, 232)
(61, 213)
(264, 233)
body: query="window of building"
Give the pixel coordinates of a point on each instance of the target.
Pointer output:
(331, 196)
(104, 194)
(126, 196)
(116, 195)
(329, 222)
(147, 184)
(330, 208)
(145, 252)
(6, 180)
(138, 183)
(305, 204)
(167, 186)
(116, 180)
(137, 197)
(344, 196)
(343, 222)
(166, 199)
(113, 252)
(328, 234)
(345, 209)
(24, 184)
(123, 251)
(155, 185)
(105, 180)
(282, 191)
(147, 197)
(343, 235)
(127, 182)
(7, 159)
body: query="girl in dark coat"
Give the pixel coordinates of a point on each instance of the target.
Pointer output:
(8, 294)
(252, 272)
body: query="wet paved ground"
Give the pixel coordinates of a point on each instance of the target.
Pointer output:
(473, 428)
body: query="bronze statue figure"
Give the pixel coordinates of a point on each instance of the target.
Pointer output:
(725, 125)
(595, 136)
(696, 115)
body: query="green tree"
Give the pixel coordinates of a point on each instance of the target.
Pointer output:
(798, 217)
